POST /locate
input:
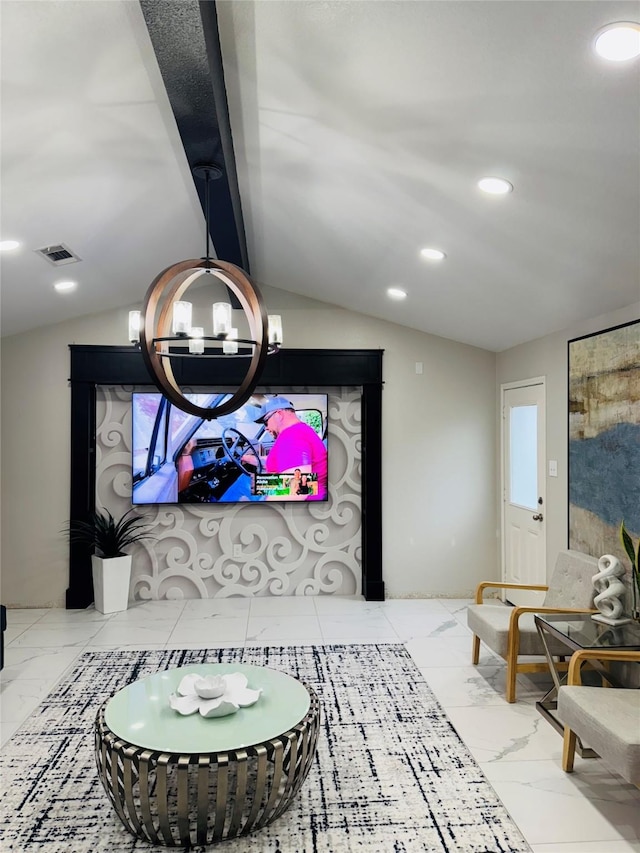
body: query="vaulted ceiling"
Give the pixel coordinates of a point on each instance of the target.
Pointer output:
(351, 135)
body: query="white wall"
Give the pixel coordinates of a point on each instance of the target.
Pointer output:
(548, 357)
(35, 461)
(439, 449)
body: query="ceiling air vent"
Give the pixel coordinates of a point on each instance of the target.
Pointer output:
(58, 255)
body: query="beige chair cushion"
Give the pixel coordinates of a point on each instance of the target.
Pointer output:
(490, 622)
(607, 720)
(571, 584)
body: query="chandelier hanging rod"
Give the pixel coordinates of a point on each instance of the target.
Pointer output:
(208, 171)
(166, 317)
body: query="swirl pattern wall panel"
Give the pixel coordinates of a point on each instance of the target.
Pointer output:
(285, 548)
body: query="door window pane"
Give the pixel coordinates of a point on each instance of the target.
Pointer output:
(524, 456)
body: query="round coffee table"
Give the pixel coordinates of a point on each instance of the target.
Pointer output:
(180, 781)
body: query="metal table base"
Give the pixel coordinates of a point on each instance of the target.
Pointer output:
(187, 800)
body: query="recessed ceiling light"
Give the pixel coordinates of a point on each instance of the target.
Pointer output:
(7, 245)
(495, 186)
(618, 42)
(396, 293)
(65, 286)
(433, 254)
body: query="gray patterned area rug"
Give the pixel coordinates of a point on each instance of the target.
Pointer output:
(390, 775)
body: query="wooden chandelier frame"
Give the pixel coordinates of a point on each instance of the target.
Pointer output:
(169, 287)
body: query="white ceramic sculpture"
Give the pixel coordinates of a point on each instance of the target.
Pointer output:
(609, 591)
(213, 695)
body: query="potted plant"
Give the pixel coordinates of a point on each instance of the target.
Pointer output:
(107, 538)
(633, 552)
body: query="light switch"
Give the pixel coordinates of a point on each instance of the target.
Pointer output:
(553, 468)
(418, 367)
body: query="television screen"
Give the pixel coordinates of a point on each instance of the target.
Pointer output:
(274, 448)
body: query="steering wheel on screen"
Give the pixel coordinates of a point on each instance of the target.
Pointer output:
(237, 448)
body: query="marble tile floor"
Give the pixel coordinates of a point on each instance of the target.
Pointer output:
(590, 811)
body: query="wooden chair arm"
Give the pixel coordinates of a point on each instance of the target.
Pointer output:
(482, 586)
(578, 658)
(514, 627)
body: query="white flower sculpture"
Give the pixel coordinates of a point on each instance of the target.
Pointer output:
(213, 695)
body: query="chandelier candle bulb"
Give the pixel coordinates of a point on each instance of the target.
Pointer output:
(181, 318)
(196, 341)
(230, 346)
(134, 327)
(221, 318)
(275, 329)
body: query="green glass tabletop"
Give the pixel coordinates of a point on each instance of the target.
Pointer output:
(140, 713)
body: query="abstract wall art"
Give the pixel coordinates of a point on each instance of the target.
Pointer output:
(604, 438)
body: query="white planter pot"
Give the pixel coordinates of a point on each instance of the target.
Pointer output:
(111, 580)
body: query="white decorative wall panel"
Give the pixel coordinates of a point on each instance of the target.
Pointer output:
(285, 548)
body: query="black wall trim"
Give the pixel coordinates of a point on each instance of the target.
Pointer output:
(372, 583)
(110, 365)
(83, 488)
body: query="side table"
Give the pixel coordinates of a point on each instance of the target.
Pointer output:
(186, 781)
(579, 631)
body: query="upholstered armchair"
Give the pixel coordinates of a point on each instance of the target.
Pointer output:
(511, 632)
(607, 720)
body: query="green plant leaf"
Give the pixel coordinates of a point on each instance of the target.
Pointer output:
(627, 544)
(107, 537)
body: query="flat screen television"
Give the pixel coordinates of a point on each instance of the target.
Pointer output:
(181, 458)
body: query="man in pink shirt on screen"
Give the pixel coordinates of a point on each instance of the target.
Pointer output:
(297, 445)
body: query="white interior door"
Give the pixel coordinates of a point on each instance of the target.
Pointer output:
(523, 489)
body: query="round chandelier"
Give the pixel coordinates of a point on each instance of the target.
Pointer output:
(164, 331)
